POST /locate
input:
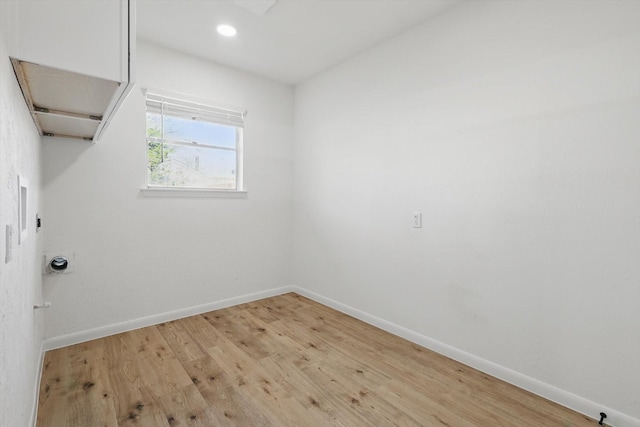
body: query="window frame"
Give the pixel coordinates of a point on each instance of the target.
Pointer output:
(187, 107)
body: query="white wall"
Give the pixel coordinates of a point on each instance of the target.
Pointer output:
(137, 257)
(515, 128)
(20, 280)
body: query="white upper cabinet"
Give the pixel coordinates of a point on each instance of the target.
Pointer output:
(87, 37)
(73, 59)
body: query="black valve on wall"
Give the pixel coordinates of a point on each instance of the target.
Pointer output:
(602, 417)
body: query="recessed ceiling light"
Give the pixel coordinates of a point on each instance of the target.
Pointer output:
(226, 30)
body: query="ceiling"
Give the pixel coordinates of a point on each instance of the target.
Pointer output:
(293, 41)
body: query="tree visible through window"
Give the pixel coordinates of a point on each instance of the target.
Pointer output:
(192, 145)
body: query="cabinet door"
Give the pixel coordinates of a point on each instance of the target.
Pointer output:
(87, 37)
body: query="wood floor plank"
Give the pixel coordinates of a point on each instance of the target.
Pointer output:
(201, 331)
(160, 370)
(316, 404)
(181, 341)
(55, 369)
(80, 385)
(281, 361)
(187, 407)
(217, 387)
(258, 385)
(275, 308)
(133, 403)
(231, 324)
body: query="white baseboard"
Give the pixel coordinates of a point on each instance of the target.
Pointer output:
(116, 328)
(36, 393)
(562, 397)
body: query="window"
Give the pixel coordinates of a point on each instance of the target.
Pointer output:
(193, 146)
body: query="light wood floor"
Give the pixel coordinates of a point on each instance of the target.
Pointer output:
(282, 361)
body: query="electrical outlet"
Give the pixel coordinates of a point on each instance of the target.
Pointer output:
(417, 220)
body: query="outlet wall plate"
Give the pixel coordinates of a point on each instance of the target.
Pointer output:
(417, 220)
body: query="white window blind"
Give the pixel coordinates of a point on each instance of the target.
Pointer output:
(164, 105)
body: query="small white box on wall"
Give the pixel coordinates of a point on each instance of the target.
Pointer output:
(23, 208)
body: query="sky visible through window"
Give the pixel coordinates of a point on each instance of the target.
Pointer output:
(195, 165)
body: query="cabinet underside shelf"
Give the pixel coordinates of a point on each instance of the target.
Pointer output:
(64, 103)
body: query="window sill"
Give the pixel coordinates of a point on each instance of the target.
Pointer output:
(192, 193)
